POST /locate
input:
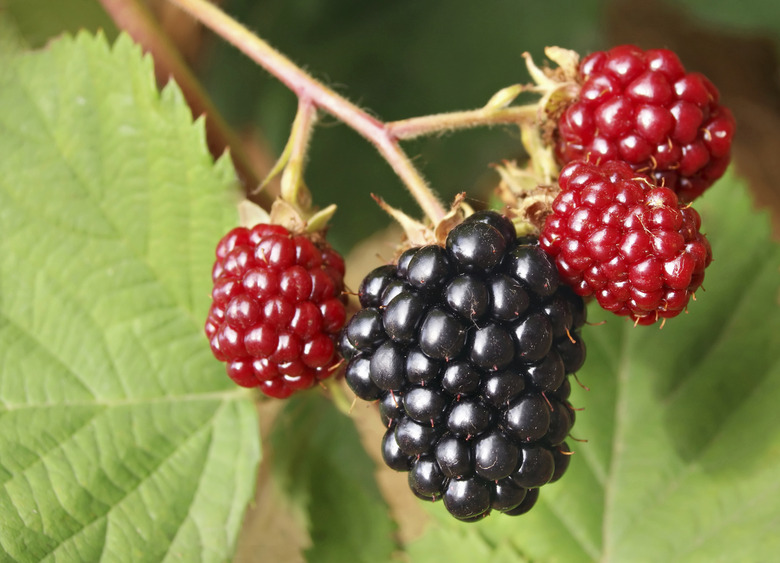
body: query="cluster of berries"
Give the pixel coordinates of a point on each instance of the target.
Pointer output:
(641, 141)
(467, 348)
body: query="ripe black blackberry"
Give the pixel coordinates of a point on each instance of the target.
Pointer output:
(468, 348)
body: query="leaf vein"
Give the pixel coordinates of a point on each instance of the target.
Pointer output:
(196, 432)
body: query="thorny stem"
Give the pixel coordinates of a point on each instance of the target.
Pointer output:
(306, 87)
(133, 17)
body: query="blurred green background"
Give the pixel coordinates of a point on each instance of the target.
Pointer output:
(408, 58)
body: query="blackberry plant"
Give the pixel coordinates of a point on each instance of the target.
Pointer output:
(464, 345)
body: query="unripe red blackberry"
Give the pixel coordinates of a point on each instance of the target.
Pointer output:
(277, 308)
(643, 108)
(468, 347)
(617, 236)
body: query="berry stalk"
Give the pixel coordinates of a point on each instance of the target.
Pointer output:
(414, 127)
(293, 190)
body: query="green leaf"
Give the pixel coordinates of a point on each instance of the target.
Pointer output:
(682, 425)
(321, 465)
(120, 436)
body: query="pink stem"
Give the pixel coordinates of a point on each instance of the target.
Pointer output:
(306, 87)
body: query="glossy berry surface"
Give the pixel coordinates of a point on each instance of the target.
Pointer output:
(467, 348)
(629, 243)
(643, 108)
(277, 310)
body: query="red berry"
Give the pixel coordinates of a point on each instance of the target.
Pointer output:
(619, 237)
(277, 309)
(641, 107)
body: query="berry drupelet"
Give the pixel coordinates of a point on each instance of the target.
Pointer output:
(643, 108)
(277, 309)
(467, 349)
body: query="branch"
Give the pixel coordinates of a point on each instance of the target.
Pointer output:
(306, 87)
(418, 126)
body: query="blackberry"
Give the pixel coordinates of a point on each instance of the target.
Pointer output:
(617, 236)
(277, 311)
(468, 348)
(642, 107)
